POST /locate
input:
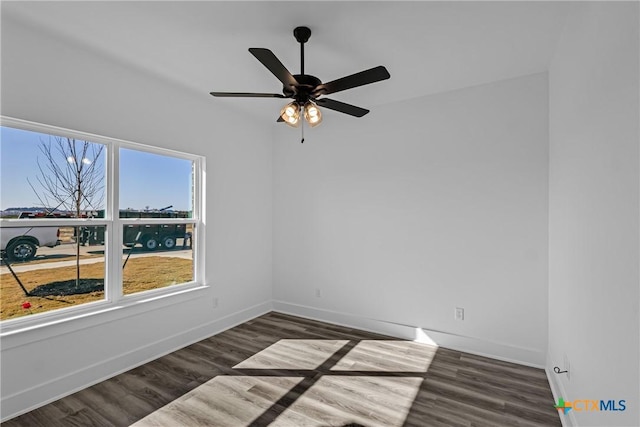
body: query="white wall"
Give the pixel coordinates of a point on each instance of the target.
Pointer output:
(58, 83)
(594, 211)
(420, 207)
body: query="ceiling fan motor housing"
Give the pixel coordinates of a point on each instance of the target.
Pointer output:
(303, 91)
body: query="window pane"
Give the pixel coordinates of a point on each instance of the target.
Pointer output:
(156, 256)
(48, 176)
(155, 186)
(55, 267)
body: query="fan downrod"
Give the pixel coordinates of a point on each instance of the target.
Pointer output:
(302, 34)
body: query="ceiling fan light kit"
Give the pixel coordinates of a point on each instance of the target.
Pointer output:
(306, 90)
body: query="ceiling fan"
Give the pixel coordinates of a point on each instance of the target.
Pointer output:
(306, 90)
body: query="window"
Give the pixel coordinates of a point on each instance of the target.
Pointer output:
(156, 199)
(89, 221)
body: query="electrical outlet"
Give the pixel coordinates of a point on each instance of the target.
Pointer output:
(459, 313)
(567, 366)
(215, 302)
(318, 294)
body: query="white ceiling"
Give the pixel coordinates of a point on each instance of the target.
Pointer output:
(428, 47)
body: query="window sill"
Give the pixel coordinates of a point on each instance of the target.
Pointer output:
(32, 330)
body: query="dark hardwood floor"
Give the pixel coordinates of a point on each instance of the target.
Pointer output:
(281, 370)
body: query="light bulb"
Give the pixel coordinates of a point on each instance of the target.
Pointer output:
(312, 114)
(290, 113)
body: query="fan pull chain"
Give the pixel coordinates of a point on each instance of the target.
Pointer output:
(302, 130)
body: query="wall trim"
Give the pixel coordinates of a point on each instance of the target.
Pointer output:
(34, 397)
(499, 351)
(557, 389)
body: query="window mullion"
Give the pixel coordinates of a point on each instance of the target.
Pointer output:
(199, 206)
(113, 283)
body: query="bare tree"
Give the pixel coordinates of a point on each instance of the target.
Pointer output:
(70, 178)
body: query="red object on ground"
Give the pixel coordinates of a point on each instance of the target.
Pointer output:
(26, 305)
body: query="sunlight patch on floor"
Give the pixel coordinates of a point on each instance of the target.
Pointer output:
(224, 401)
(341, 400)
(293, 354)
(373, 383)
(387, 356)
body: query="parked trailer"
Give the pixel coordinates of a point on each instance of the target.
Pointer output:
(150, 236)
(154, 236)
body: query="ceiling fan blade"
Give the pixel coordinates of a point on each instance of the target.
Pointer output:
(342, 107)
(274, 65)
(246, 95)
(362, 78)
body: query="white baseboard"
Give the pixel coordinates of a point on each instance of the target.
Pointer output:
(568, 419)
(35, 397)
(480, 347)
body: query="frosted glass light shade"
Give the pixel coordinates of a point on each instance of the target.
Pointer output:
(312, 114)
(290, 113)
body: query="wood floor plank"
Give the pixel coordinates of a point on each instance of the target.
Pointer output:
(282, 370)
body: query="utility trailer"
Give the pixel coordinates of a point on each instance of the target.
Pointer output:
(150, 236)
(154, 236)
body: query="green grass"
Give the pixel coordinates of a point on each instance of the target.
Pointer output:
(140, 274)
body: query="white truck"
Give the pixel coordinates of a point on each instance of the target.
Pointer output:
(21, 243)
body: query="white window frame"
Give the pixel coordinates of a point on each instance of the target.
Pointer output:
(114, 299)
